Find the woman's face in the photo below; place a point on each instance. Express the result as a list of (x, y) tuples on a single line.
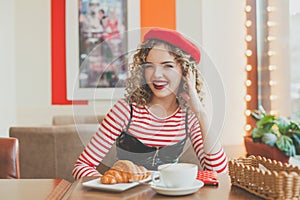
[(162, 73)]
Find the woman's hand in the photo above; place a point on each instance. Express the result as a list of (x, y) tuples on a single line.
[(192, 97), (194, 102), (211, 140)]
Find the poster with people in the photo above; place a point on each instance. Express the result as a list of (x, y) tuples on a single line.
[(102, 44)]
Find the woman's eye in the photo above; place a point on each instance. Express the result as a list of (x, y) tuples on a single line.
[(147, 66), (169, 66)]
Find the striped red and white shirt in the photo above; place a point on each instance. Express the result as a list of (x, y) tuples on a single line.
[(150, 130)]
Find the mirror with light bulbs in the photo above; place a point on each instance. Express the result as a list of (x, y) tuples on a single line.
[(273, 58)]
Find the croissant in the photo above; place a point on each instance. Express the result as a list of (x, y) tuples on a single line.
[(124, 171)]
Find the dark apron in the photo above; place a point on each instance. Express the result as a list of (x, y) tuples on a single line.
[(130, 148)]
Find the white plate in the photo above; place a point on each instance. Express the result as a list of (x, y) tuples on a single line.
[(178, 191), (119, 187)]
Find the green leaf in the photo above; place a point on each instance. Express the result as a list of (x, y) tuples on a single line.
[(268, 126), (294, 126), (296, 141), (266, 119), (296, 131), (269, 139), (285, 144), (283, 124), (257, 132), (292, 151)]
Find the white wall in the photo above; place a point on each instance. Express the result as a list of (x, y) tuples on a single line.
[(33, 74), (223, 39), (33, 61), (7, 67), (222, 35), (188, 18), (282, 75)]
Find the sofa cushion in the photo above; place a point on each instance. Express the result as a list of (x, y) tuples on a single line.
[(76, 119), (50, 152)]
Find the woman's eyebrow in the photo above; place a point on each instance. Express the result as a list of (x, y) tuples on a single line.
[(168, 62), (165, 62)]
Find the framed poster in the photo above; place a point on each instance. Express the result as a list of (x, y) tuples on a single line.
[(97, 45)]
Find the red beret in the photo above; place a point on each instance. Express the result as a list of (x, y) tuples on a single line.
[(174, 38)]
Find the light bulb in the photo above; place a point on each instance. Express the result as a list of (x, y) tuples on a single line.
[(270, 23), (247, 112), (248, 38), (248, 127), (248, 97), (270, 9), (273, 97), (248, 83), (248, 68), (248, 8), (272, 67), (248, 52), (272, 83), (271, 38), (271, 53), (274, 112), (248, 23)]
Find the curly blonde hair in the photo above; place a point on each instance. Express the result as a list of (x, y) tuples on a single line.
[(138, 90)]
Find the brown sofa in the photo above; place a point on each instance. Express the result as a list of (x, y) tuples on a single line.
[(50, 152), (76, 119)]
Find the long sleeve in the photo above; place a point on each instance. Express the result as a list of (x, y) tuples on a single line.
[(214, 162), (110, 128)]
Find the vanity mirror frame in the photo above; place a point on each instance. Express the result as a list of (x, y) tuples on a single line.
[(257, 83)]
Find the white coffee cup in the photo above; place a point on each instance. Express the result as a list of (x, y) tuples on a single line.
[(176, 175)]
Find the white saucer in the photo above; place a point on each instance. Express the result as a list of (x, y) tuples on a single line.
[(178, 191)]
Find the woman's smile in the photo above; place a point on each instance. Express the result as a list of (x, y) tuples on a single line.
[(160, 84)]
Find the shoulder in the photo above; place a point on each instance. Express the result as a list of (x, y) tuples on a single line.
[(121, 105), (139, 109), (123, 102), (119, 111)]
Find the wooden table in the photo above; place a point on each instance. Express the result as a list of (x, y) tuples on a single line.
[(144, 192), (28, 189)]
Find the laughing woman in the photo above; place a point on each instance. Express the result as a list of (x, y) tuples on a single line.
[(160, 111)]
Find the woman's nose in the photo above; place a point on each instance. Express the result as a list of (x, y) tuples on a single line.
[(158, 71)]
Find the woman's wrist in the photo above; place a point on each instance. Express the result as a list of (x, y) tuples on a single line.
[(203, 122)]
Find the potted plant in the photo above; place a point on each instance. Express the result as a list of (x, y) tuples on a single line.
[(274, 137)]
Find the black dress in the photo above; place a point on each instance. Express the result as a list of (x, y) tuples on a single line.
[(130, 148)]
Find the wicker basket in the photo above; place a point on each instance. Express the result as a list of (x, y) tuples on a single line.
[(266, 178)]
